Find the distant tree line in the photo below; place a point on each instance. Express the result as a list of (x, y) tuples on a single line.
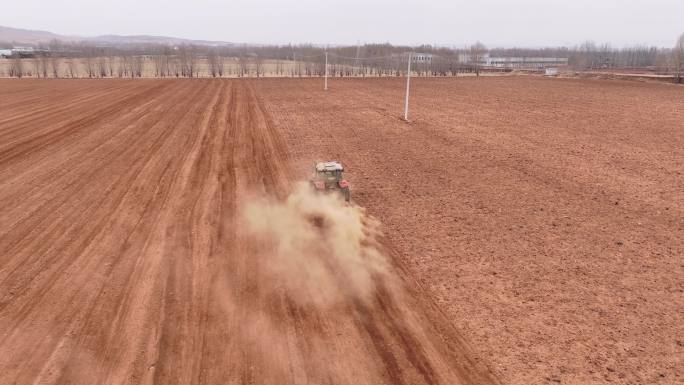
[(590, 55), (62, 59)]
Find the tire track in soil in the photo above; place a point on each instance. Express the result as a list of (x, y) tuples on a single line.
[(78, 177), (71, 252), (18, 147), (133, 266), (57, 172), (45, 112), (40, 98)]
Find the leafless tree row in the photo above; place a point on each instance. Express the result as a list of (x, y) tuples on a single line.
[(678, 59), (58, 59), (216, 64), (591, 56)]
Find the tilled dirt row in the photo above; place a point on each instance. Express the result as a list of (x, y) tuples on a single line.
[(124, 257), (545, 216)]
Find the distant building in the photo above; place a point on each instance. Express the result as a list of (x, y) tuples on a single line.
[(515, 62), (416, 57), (421, 58), (23, 50), (20, 52), (525, 62), (467, 58)]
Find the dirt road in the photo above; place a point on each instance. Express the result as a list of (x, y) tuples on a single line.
[(124, 257)]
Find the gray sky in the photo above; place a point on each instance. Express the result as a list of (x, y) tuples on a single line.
[(443, 22)]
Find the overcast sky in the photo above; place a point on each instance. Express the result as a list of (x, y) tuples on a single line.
[(495, 22)]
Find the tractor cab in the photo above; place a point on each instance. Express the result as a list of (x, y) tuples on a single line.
[(328, 172), (327, 176)]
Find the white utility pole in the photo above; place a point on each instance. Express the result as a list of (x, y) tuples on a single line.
[(326, 70), (408, 83)]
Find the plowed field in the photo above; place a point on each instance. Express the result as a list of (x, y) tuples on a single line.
[(152, 231), (124, 258)]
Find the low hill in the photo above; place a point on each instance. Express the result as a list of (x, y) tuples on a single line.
[(27, 36), (31, 37)]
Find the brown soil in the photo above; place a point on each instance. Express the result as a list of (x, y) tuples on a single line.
[(535, 227), (124, 258), (545, 216)]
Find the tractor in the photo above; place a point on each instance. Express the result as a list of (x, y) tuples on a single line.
[(327, 178)]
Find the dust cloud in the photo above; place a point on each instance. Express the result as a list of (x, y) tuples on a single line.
[(318, 249)]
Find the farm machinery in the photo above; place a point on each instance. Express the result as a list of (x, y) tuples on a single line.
[(327, 178)]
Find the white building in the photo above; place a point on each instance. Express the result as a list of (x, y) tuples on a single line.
[(421, 58), (467, 58), (515, 62), (23, 50), (551, 71), (525, 62), (5, 53)]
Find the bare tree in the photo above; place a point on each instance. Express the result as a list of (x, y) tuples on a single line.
[(110, 65), (16, 67), (139, 65), (242, 66), (188, 61), (194, 62), (134, 66), (168, 61), (586, 55), (54, 66), (213, 61), (279, 66), (158, 62), (477, 52), (90, 63), (122, 70), (678, 59), (127, 65), (258, 65), (220, 62), (36, 66), (175, 66), (45, 65), (183, 60), (102, 66), (71, 66)]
